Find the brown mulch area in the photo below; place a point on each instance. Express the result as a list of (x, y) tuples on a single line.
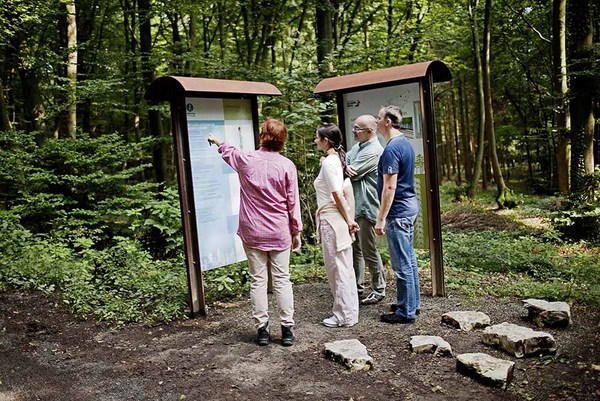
[(48, 354), (484, 220)]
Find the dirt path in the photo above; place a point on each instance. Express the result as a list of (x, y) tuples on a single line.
[(47, 354)]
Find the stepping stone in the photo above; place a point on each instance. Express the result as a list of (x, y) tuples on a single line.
[(430, 345), (350, 353), (466, 320), (549, 314), (519, 341), (485, 368)]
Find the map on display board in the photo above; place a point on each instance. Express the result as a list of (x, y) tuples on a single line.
[(407, 97), (216, 187)]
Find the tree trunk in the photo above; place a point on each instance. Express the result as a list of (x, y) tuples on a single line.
[(465, 130), (582, 79), (448, 131), (4, 119), (33, 105), (192, 42), (296, 36), (324, 37), (159, 154), (561, 109), (177, 65), (72, 69), (325, 49), (456, 136), (504, 195), (480, 103)]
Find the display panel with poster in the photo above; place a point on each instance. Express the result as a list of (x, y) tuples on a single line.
[(407, 97), (216, 188)]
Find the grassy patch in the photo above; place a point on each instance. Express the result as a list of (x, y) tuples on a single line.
[(516, 253)]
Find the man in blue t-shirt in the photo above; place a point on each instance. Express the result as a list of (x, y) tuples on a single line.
[(397, 213)]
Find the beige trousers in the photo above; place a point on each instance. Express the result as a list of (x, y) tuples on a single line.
[(340, 275), (259, 263)]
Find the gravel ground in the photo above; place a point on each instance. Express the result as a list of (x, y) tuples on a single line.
[(48, 354)]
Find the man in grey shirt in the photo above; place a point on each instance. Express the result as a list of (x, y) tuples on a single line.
[(362, 169)]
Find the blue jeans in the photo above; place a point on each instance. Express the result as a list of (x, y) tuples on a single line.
[(400, 233)]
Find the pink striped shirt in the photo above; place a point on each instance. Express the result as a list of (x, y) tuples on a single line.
[(269, 198)]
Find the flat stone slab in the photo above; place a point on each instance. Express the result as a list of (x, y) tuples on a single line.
[(466, 320), (430, 345), (485, 368), (519, 341), (549, 314), (350, 353)]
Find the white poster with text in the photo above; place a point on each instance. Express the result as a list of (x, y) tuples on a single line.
[(408, 98), (215, 185)]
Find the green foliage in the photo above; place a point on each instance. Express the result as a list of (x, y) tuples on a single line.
[(16, 152), (29, 261), (518, 260), (500, 252), (307, 265), (79, 222), (227, 282), (157, 224), (121, 283), (581, 222), (579, 216)]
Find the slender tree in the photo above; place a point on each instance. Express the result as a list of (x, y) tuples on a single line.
[(477, 168), (465, 129), (72, 68), (582, 80), (561, 109), (160, 160), (324, 28), (504, 195), (4, 119)]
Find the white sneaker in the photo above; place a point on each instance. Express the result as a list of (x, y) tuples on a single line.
[(333, 322)]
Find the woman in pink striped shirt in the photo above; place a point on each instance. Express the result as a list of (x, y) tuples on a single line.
[(270, 224)]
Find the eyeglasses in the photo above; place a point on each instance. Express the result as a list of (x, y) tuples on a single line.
[(355, 129)]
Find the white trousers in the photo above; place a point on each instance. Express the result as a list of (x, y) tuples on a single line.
[(341, 277), (259, 263)]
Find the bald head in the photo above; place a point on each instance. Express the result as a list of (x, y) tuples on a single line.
[(365, 128)]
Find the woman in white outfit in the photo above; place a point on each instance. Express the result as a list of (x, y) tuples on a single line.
[(336, 225)]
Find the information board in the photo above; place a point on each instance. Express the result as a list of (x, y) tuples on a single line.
[(216, 187), (407, 97)]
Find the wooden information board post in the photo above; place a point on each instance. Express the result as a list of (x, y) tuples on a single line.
[(208, 187), (411, 88)]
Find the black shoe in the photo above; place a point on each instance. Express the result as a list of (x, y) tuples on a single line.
[(393, 318), (393, 308), (287, 336), (372, 299), (263, 335)]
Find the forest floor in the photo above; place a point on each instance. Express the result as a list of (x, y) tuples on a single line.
[(48, 354)]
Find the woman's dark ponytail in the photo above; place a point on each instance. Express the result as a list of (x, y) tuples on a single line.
[(332, 133)]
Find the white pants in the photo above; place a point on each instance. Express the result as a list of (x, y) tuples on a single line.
[(341, 276), (259, 263)]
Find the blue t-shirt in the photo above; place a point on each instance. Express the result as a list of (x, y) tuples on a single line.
[(398, 157)]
